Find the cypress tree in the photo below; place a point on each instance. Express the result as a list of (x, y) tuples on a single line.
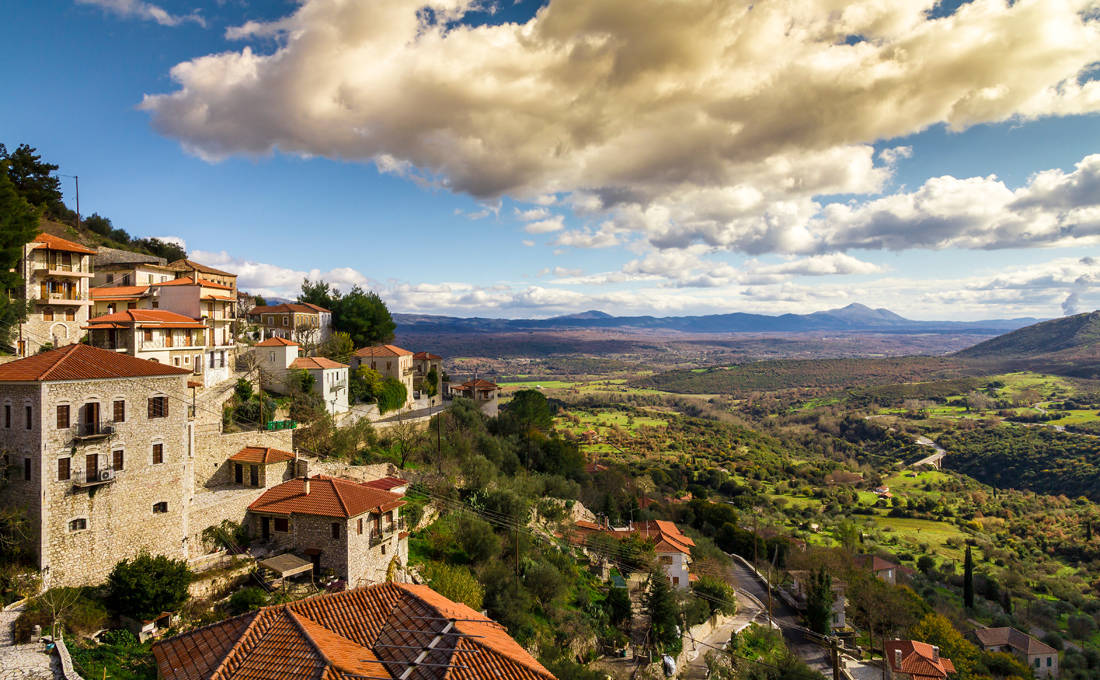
[(968, 580)]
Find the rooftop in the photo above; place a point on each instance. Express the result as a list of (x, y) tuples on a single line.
[(376, 632), (386, 483), (1000, 637), (327, 497), (478, 384), (298, 307), (144, 318), (44, 240), (314, 363), (919, 659), (186, 265), (112, 292), (276, 342), (427, 355), (83, 362), (382, 351), (188, 281), (264, 455)]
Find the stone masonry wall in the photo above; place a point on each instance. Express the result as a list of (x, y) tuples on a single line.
[(19, 444)]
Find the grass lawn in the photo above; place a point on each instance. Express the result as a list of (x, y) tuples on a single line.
[(914, 531), (607, 419), (1077, 417)]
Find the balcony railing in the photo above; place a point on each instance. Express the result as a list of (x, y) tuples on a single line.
[(86, 432), (57, 268), (388, 530), (96, 477)]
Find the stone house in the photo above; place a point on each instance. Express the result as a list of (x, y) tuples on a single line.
[(387, 630), (484, 393), (884, 570), (304, 323), (1039, 656), (97, 446), (276, 357), (348, 527), (672, 547), (390, 361), (135, 272), (189, 269), (57, 274), (799, 589), (912, 660), (423, 363), (152, 334)]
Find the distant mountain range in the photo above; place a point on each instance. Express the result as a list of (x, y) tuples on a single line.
[(853, 318), (1070, 335)]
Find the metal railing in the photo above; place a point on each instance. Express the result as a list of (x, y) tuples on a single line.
[(388, 530), (93, 430)]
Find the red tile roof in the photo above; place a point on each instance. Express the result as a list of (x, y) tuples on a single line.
[(83, 362), (874, 563), (308, 363), (264, 455), (479, 384), (665, 536), (382, 351), (288, 307), (101, 292), (52, 242), (276, 342), (327, 497), (919, 659), (189, 265), (188, 281), (427, 355), (386, 483), (377, 631), (144, 318)]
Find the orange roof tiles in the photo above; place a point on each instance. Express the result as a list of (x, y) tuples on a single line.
[(276, 342), (188, 281), (83, 362), (874, 563), (189, 265), (382, 351), (288, 307), (377, 631), (327, 497), (665, 536), (479, 384), (308, 363), (144, 318), (52, 242), (386, 483), (101, 292), (427, 356), (919, 659), (265, 455)]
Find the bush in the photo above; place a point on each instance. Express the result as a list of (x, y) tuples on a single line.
[(454, 582), (391, 396), (246, 600), (476, 538), (76, 610), (148, 585)]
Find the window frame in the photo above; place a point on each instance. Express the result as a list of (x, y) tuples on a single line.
[(64, 468), (285, 521), (160, 508), (67, 420), (116, 406), (157, 453), (76, 529)]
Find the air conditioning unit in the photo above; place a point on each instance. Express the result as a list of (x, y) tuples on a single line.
[(106, 475)]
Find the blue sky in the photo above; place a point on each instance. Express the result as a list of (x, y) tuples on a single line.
[(667, 162)]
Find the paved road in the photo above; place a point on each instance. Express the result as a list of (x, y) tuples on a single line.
[(935, 458), (787, 619), (23, 662)]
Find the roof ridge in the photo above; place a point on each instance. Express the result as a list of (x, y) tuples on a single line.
[(293, 615), (224, 667), (65, 352), (339, 497)]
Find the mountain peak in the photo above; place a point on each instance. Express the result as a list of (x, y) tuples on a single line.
[(589, 314)]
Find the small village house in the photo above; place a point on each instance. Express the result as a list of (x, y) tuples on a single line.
[(912, 660), (1039, 656), (57, 273)]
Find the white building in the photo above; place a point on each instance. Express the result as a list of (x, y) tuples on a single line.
[(277, 357)]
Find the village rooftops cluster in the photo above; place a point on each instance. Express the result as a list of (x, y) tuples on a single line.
[(326, 497)]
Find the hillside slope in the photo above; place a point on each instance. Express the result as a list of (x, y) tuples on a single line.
[(1047, 337)]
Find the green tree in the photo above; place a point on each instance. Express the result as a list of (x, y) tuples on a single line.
[(819, 602), (936, 629), (454, 582), (968, 579), (719, 596), (339, 347), (318, 293), (147, 585), (246, 600), (169, 251), (364, 316), (32, 177), (365, 384), (99, 224), (391, 395), (618, 607), (18, 225), (259, 301), (664, 613), (476, 538)]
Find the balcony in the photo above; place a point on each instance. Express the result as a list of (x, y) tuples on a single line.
[(90, 432), (82, 479), (58, 269), (61, 299), (377, 538)]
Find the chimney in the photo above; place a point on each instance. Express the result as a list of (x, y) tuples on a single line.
[(305, 486), (897, 659), (195, 275), (935, 653)]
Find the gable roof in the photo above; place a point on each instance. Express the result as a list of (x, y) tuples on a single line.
[(665, 535), (144, 318), (117, 292), (327, 497), (479, 384), (276, 342), (874, 563), (286, 307), (83, 362), (44, 240), (377, 631), (386, 483), (188, 281), (382, 351), (188, 265), (264, 455), (1019, 640), (427, 355), (315, 363), (919, 659)]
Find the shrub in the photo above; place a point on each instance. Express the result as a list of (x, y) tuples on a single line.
[(246, 600), (391, 395), (476, 538), (147, 585), (74, 609), (454, 582)]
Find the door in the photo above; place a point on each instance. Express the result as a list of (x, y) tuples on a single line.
[(316, 559), (91, 467), (265, 528), (91, 418), (254, 475)]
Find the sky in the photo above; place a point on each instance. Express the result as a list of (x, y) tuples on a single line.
[(529, 159)]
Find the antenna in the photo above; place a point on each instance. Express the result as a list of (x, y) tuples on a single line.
[(77, 179)]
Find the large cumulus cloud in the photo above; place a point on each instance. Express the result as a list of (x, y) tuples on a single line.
[(711, 121)]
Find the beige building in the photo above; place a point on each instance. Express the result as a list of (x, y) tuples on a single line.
[(353, 529), (131, 274), (278, 357), (98, 446), (484, 393), (390, 361), (304, 323), (57, 273), (423, 363), (1038, 655), (189, 269)]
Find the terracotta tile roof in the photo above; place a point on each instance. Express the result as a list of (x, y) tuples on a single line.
[(919, 659), (52, 242), (100, 292), (382, 351), (188, 281), (144, 318), (351, 634), (287, 307), (264, 455), (327, 497), (874, 563), (221, 298), (276, 342), (1019, 640), (479, 384), (427, 356), (386, 483), (83, 362), (665, 535), (308, 363), (186, 265)]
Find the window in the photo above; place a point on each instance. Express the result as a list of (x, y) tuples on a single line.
[(120, 410), (675, 580), (158, 454), (62, 416), (383, 548), (156, 304), (271, 357), (70, 314), (7, 415), (158, 407), (336, 530), (78, 524), (238, 473), (360, 526), (147, 335), (1049, 659), (64, 469), (282, 524), (29, 416), (160, 508), (176, 361), (26, 469), (47, 313), (110, 278), (1036, 662), (286, 321), (117, 460)]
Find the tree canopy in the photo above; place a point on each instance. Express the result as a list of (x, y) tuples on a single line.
[(148, 585), (18, 225), (361, 314), (33, 177)]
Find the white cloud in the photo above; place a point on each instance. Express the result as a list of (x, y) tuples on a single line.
[(715, 121), (545, 226), (528, 242), (145, 10), (173, 239), (532, 214), (274, 280), (821, 265), (606, 236), (561, 272)]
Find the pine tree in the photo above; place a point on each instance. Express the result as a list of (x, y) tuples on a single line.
[(664, 614), (819, 602), (968, 580)]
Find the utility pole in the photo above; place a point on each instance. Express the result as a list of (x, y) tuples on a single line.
[(77, 179), (833, 644)]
